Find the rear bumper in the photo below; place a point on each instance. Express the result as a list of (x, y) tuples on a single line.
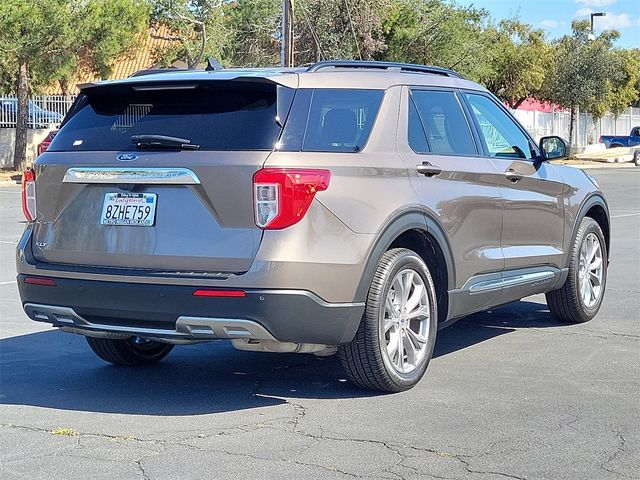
[(173, 312)]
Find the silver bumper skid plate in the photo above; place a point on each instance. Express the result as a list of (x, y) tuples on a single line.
[(187, 328)]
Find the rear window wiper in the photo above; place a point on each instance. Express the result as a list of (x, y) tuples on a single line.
[(162, 141)]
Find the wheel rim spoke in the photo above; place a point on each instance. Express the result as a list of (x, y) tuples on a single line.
[(410, 348), (419, 312), (392, 346), (388, 324), (417, 338), (400, 350), (414, 299), (398, 289), (407, 283)]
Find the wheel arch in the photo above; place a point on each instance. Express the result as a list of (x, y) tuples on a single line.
[(420, 232), (595, 206)]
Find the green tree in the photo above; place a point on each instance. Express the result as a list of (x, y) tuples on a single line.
[(47, 40), (110, 29), (516, 61), (583, 72), (623, 90), (196, 29), (435, 33), (339, 29), (32, 33), (254, 33)]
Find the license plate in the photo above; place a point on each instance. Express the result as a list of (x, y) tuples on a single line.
[(133, 209)]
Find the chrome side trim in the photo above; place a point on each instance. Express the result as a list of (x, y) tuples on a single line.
[(152, 176), (187, 328), (511, 281)]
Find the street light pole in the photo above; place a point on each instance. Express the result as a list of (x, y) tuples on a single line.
[(596, 14)]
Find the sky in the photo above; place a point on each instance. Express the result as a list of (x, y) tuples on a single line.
[(555, 16)]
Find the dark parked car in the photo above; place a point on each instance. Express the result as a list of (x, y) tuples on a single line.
[(37, 117), (350, 207), (612, 141)]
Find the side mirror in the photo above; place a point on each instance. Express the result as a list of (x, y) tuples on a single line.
[(554, 147)]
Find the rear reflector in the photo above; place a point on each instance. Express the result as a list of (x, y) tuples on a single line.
[(219, 293), (47, 282), (29, 194)]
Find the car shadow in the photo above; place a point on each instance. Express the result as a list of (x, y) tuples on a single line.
[(56, 370)]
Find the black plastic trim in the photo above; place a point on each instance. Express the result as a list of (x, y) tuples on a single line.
[(403, 222), (592, 200), (290, 316)]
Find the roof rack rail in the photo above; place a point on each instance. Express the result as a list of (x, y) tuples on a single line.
[(376, 65)]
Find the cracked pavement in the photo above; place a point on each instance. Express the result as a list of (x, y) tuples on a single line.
[(510, 393)]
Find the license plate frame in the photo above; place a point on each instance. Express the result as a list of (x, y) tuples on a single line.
[(129, 209)]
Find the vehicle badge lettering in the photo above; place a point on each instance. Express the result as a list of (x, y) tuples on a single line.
[(127, 157)]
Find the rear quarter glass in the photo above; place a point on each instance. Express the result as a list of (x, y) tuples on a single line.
[(330, 120), (216, 115)]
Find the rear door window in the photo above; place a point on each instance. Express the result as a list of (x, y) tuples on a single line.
[(445, 125), (218, 115), (331, 120)]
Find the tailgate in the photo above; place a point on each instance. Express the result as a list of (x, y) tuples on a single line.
[(202, 222), (102, 203)]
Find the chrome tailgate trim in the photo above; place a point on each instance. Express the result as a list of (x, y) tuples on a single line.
[(124, 175)]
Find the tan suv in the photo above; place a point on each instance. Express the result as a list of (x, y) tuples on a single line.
[(354, 207)]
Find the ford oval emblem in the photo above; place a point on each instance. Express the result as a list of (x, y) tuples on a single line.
[(127, 157)]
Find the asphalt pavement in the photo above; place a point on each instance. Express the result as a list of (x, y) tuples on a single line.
[(510, 393)]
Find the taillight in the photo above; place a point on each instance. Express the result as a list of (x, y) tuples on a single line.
[(282, 196), (600, 140), (29, 194)]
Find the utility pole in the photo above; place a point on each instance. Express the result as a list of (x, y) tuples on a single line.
[(286, 47)]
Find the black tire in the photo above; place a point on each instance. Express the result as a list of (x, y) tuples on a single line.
[(636, 157), (131, 352), (566, 303), (616, 145), (363, 359)]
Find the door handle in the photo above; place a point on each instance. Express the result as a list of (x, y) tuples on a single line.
[(513, 175), (428, 170)]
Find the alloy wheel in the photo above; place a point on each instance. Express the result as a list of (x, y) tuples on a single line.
[(405, 322), (590, 270)]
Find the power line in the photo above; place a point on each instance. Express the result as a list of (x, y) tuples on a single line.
[(315, 37)]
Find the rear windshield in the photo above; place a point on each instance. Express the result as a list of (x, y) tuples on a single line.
[(330, 120), (219, 115)]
